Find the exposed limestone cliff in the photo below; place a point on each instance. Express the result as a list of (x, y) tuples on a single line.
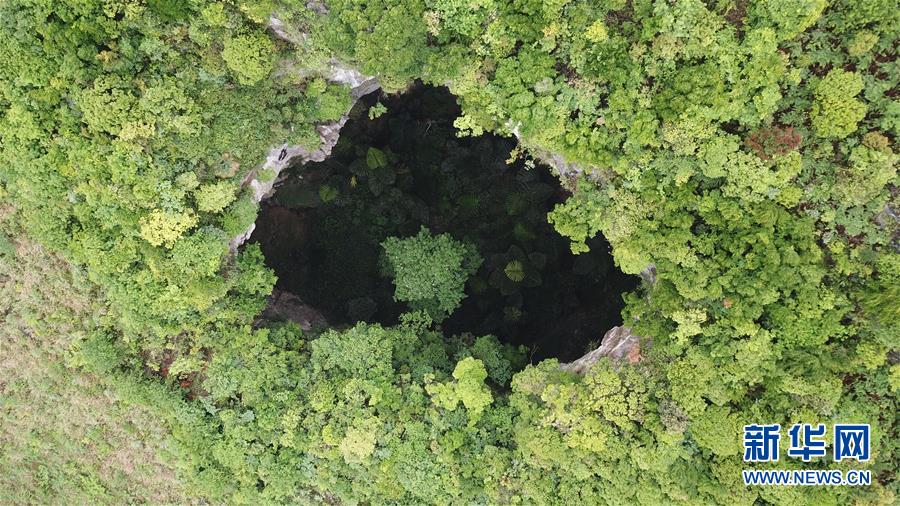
[(618, 344), (281, 157), (287, 306)]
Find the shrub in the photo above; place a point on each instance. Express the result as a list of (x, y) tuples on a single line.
[(836, 112), (163, 228), (789, 17), (250, 57), (99, 354), (774, 141), (215, 197)]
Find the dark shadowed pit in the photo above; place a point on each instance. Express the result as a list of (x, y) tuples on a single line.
[(390, 175)]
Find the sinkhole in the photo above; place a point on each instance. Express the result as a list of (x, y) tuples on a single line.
[(392, 174)]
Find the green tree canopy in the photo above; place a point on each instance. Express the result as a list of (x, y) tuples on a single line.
[(430, 271)]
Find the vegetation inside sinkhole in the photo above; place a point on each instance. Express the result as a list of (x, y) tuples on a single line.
[(392, 175)]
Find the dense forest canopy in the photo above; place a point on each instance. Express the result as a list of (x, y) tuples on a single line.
[(742, 151)]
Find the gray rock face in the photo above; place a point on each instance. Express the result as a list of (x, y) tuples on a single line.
[(618, 344), (283, 31), (565, 170), (287, 306), (649, 274)]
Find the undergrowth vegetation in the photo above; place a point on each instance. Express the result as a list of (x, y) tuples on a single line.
[(745, 150), (64, 436)]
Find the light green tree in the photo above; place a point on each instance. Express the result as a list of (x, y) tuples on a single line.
[(429, 271), (164, 227), (836, 111), (215, 197), (250, 57), (469, 389)]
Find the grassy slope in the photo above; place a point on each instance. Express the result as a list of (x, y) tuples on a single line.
[(63, 437)]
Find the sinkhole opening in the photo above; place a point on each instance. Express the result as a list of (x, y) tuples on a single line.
[(391, 174)]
